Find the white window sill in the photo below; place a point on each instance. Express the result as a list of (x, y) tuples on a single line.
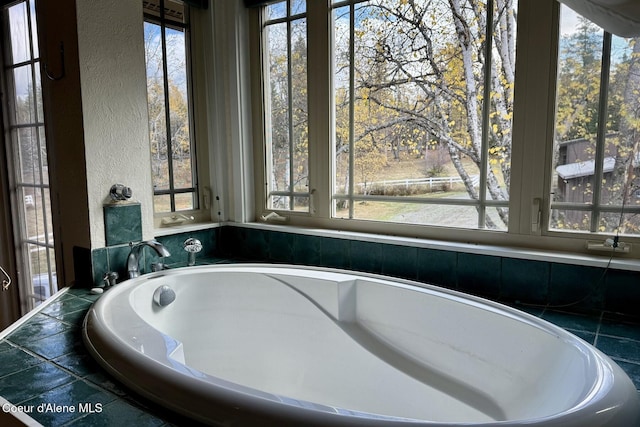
[(185, 228)]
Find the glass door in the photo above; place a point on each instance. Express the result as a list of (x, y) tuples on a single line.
[(26, 156)]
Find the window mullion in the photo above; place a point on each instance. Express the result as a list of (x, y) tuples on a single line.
[(352, 97), (602, 130), (167, 104), (320, 103), (486, 111), (290, 110)]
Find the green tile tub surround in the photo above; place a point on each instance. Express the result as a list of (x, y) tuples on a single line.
[(280, 246), (306, 250), (230, 245), (82, 265), (122, 223), (438, 267), (99, 266), (525, 280), (400, 261), (335, 253), (479, 274), (583, 287), (622, 291), (114, 258), (505, 278), (365, 256), (174, 243)]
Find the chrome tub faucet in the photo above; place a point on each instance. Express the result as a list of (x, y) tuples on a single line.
[(133, 260)]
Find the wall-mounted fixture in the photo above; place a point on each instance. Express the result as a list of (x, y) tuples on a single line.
[(176, 219), (192, 246), (7, 281), (273, 216), (119, 192), (62, 73)]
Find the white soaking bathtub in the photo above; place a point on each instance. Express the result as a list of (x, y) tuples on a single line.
[(258, 344)]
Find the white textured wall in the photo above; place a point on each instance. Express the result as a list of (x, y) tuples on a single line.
[(114, 104)]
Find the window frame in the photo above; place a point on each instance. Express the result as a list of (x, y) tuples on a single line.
[(290, 194), (37, 277), (597, 207), (483, 203), (533, 127), (200, 43)]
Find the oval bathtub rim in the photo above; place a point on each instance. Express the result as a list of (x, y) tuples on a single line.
[(597, 392)]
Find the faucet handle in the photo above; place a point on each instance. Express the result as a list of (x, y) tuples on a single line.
[(158, 266), (110, 278), (192, 245)]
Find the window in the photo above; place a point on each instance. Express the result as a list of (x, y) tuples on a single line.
[(166, 31), (287, 135), (27, 153), (423, 111), (597, 131), (417, 124)]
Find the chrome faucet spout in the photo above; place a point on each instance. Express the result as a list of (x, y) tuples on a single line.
[(133, 260)]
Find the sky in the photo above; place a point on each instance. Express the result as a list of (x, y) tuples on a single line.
[(569, 22)]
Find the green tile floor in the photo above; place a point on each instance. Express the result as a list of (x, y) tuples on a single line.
[(44, 362)]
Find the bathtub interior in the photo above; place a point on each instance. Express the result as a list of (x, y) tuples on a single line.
[(312, 335)]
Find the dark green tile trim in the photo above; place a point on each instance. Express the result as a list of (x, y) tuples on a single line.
[(280, 246), (307, 250), (525, 281), (366, 256), (622, 293), (334, 253), (99, 265), (400, 261), (479, 274), (504, 278), (581, 286), (438, 267)]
